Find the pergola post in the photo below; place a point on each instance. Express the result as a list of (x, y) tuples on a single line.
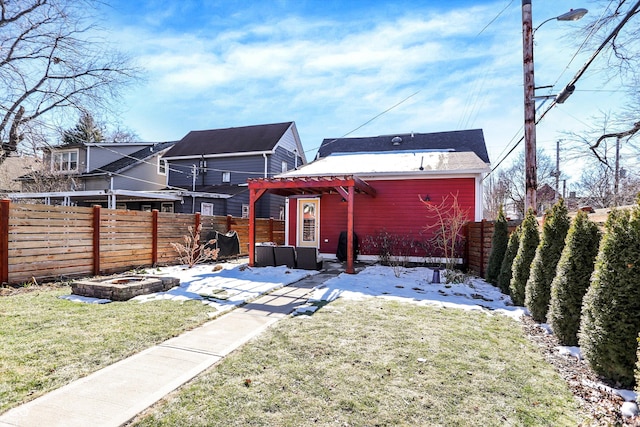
[(254, 195), (350, 203)]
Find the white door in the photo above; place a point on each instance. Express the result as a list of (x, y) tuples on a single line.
[(308, 233)]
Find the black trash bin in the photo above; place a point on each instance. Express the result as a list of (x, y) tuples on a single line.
[(341, 253)]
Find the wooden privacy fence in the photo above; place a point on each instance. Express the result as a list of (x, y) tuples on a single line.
[(49, 242), (478, 244)]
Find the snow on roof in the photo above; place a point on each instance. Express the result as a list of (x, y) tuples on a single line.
[(393, 163)]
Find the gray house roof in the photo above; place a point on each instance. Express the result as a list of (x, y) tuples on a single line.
[(246, 139), (454, 141), (132, 159)]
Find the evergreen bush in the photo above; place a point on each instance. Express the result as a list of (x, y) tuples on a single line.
[(638, 372), (573, 276), (529, 240), (499, 243), (611, 307), (543, 267), (505, 269)]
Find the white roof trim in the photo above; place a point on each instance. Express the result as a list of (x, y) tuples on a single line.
[(212, 156), (414, 164), (96, 193)]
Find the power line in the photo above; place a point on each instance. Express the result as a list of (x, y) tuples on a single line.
[(570, 87), (370, 120)]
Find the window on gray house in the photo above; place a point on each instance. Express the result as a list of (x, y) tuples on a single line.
[(226, 176), (65, 161)]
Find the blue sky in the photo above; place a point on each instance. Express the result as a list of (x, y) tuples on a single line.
[(332, 66)]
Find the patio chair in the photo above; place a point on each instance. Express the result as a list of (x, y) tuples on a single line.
[(307, 258), (285, 255), (265, 256)]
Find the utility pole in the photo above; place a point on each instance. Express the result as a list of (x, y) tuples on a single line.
[(530, 170), (617, 172)]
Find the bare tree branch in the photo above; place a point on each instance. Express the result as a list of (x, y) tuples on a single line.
[(52, 61)]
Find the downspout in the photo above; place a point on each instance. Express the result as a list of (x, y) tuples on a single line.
[(88, 159), (266, 164)]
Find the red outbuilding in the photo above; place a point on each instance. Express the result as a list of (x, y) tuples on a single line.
[(374, 189)]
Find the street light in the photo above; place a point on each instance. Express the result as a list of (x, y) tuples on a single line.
[(531, 179)]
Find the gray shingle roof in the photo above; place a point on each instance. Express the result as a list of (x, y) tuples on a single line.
[(457, 141), (230, 140), (132, 159)]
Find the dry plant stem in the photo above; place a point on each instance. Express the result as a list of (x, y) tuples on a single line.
[(193, 252), (450, 218)]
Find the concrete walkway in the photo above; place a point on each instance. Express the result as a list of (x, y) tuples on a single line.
[(114, 395)]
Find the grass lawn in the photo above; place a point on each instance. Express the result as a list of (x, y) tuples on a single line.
[(46, 342), (377, 363)]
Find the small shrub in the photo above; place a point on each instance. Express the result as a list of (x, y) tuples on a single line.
[(529, 239), (545, 261), (507, 262), (610, 312), (192, 252), (499, 243), (456, 277), (393, 250), (572, 279)]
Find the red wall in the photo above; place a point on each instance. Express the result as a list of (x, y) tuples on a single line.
[(396, 209)]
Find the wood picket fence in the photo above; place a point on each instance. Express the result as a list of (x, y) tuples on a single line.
[(44, 242)]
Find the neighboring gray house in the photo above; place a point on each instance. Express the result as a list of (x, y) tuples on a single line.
[(114, 175), (214, 166)]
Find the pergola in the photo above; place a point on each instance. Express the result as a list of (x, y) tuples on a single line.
[(346, 186)]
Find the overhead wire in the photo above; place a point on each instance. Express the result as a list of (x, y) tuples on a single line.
[(579, 74)]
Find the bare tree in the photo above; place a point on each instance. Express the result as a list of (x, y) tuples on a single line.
[(622, 54), (51, 60), (512, 179), (496, 194), (596, 186)]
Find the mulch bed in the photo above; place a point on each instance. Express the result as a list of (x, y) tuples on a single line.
[(600, 406)]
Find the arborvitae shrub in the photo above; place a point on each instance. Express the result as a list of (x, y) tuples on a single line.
[(505, 269), (638, 371), (498, 247), (543, 267), (529, 239), (611, 308), (573, 276)]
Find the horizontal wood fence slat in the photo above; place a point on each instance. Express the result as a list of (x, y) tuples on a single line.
[(479, 241), (43, 242)]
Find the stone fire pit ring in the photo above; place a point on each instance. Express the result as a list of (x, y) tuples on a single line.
[(123, 288)]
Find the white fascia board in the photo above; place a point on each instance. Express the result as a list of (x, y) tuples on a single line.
[(207, 195), (223, 155), (422, 175), (148, 194), (56, 194), (96, 193)]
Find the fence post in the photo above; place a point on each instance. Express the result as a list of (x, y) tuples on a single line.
[(482, 223), (5, 205), (229, 223), (197, 222), (96, 239), (466, 262), (154, 237)]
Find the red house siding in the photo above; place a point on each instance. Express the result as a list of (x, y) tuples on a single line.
[(395, 209)]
